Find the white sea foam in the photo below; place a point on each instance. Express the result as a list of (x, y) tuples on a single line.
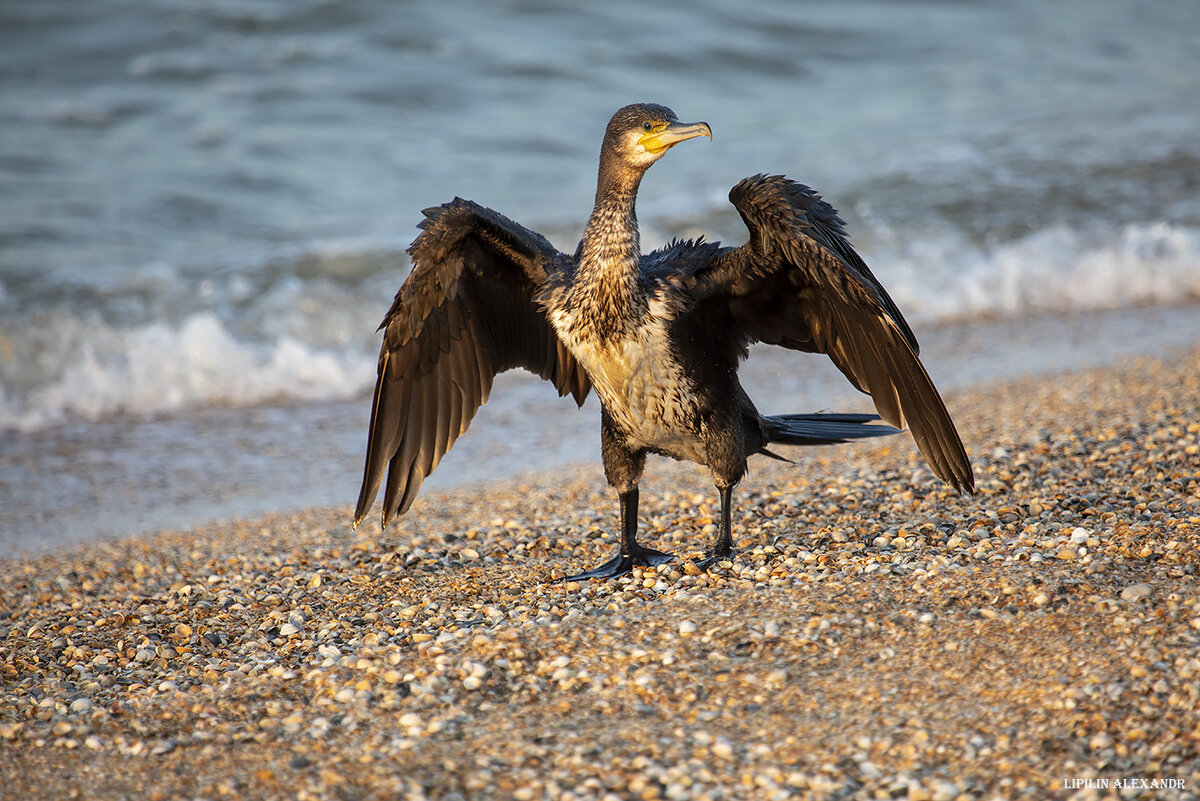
[(1057, 268), (97, 371)]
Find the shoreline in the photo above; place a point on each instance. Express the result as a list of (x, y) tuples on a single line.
[(86, 481), (874, 634)]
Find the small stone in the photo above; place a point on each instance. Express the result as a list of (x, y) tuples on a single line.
[(144, 655), (472, 682), (677, 792), (288, 629), (944, 791), (80, 705), (687, 627), (1136, 592), (163, 747), (721, 749)]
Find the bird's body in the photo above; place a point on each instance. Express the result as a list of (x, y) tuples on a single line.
[(658, 336), (649, 396), (627, 344)]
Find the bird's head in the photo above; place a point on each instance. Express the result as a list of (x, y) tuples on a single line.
[(640, 134)]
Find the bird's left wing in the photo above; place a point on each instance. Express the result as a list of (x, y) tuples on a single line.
[(798, 283), (465, 313)]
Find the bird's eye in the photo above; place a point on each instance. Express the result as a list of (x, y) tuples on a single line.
[(647, 126)]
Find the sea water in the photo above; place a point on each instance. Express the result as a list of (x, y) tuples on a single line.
[(204, 206)]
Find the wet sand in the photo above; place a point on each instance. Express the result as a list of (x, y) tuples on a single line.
[(875, 635)]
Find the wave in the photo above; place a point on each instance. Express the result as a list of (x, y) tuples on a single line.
[(301, 335), (948, 278), (94, 372)]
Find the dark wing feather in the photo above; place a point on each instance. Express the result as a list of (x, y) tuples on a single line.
[(466, 313), (799, 284)]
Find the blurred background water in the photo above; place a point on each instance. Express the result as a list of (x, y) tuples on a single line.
[(204, 205)]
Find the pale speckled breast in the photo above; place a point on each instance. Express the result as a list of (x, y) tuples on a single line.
[(644, 390)]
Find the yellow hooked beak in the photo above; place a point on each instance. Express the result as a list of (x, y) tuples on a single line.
[(672, 133)]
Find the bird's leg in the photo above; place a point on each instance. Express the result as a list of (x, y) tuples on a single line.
[(622, 467), (630, 554), (727, 433), (723, 547)]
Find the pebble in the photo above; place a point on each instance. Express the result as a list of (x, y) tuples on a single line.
[(163, 747), (721, 749), (944, 791), (1136, 592)]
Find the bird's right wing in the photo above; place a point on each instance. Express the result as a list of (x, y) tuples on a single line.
[(465, 314)]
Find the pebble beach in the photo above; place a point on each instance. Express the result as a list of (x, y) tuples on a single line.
[(874, 636)]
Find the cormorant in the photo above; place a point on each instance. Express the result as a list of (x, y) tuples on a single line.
[(659, 336)]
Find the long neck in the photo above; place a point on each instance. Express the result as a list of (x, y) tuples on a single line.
[(611, 235), (609, 269)]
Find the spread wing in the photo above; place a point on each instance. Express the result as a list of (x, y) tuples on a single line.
[(799, 284), (465, 314)]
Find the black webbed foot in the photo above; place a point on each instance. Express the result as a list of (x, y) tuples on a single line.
[(623, 563), (714, 556)]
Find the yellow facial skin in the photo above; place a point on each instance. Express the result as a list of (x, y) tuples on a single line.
[(665, 135)]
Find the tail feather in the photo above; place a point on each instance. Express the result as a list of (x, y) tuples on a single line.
[(823, 429)]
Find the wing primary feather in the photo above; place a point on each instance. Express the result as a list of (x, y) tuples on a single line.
[(374, 465), (446, 402), (427, 452), (397, 474), (408, 454)]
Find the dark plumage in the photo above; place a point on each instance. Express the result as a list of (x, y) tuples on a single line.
[(658, 336)]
